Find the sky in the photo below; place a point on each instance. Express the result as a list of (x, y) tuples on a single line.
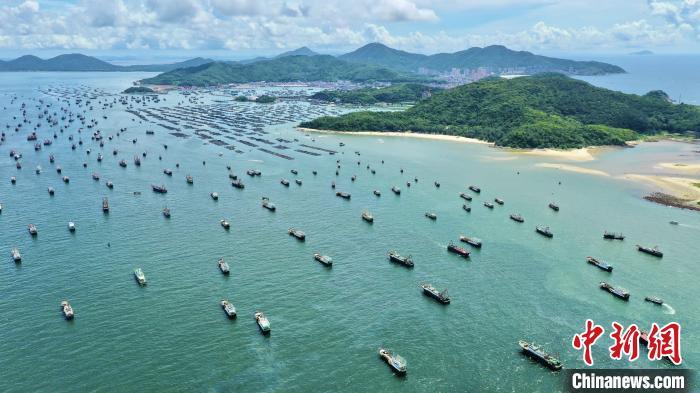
[(237, 29)]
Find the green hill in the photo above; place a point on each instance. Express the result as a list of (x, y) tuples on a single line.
[(404, 92), (546, 110), (75, 62), (494, 58), (282, 69)]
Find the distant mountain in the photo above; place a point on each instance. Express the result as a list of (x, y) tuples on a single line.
[(545, 110), (282, 69), (78, 62), (495, 58), (303, 51), (642, 52)]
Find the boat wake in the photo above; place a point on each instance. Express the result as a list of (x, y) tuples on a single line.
[(668, 309)]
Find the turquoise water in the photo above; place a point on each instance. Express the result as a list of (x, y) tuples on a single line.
[(327, 324)]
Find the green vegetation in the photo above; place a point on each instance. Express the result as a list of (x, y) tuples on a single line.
[(696, 185), (405, 92), (494, 58), (138, 90), (283, 69), (546, 110), (265, 99)]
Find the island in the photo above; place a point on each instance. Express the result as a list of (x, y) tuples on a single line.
[(548, 110), (399, 93), (282, 69), (263, 99), (138, 90)]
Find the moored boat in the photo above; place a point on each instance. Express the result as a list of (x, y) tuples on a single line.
[(297, 234), (599, 264), (228, 308), (139, 276), (189, 179), (397, 258), (67, 310), (396, 362), (66, 179), (466, 208), (214, 196), (109, 184), (225, 224), (517, 217), (284, 182), (122, 163), (263, 322), (343, 194), (268, 205), (489, 205), (16, 256), (457, 250), (166, 212), (465, 196), (71, 226), (105, 205), (32, 229), (367, 216), (544, 231), (431, 215), (396, 190), (159, 189), (324, 259), (223, 266), (377, 193), (651, 251), (441, 296), (238, 184), (617, 292), (473, 241), (475, 189), (537, 353), (51, 191), (168, 172), (613, 236), (554, 206), (499, 201)]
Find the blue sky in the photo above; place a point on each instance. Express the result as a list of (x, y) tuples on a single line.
[(234, 29)]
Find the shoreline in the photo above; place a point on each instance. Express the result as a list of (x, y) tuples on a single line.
[(572, 168), (683, 191), (405, 134)]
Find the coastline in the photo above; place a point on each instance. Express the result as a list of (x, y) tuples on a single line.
[(405, 134), (572, 168), (680, 192)]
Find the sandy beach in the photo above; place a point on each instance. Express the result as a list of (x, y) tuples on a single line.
[(680, 187), (681, 167), (583, 154), (438, 137), (572, 168)]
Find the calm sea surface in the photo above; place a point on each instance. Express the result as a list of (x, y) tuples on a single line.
[(327, 324)]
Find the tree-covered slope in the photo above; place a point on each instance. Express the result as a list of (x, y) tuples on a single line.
[(494, 58), (283, 69), (547, 110), (404, 92)]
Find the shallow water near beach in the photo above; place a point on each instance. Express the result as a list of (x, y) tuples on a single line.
[(327, 324)]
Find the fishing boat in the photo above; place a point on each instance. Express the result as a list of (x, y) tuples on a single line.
[(18, 165), (95, 176), (59, 170), (284, 182), (457, 250), (32, 230), (168, 172), (396, 190), (517, 218), (66, 179), (499, 201), (71, 226), (437, 184), (229, 309), (159, 189), (238, 184), (122, 163), (613, 236), (99, 157), (13, 180), (599, 264), (109, 184), (396, 362), (223, 266), (16, 256), (342, 194), (397, 258), (377, 193), (38, 169), (367, 216), (67, 310), (489, 205), (618, 292), (651, 251), (105, 205), (475, 189), (655, 300), (189, 179), (51, 190), (431, 215), (166, 212), (263, 322), (673, 222), (537, 353), (554, 206), (139, 276), (324, 259), (225, 224), (297, 234), (214, 196), (298, 181), (472, 241), (268, 205), (294, 172), (137, 161), (465, 196), (544, 231), (441, 296), (333, 185)]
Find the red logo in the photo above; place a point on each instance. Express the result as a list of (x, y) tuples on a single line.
[(587, 339), (665, 342)]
